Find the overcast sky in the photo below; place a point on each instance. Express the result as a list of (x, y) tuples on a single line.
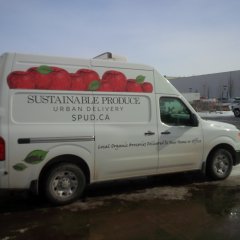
[(178, 37)]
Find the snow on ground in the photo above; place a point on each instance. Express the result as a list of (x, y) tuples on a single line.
[(216, 114)]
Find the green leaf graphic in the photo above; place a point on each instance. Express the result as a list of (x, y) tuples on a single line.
[(44, 69), (20, 166), (94, 85), (35, 157), (140, 79)]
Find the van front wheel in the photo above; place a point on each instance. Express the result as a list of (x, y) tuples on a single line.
[(236, 112), (64, 183), (220, 164)]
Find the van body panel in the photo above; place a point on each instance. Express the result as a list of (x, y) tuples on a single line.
[(163, 86), (41, 122), (128, 144), (217, 133)]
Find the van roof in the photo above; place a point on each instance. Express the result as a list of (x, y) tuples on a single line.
[(103, 60), (110, 56)]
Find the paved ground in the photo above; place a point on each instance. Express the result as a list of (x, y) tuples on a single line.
[(171, 207)]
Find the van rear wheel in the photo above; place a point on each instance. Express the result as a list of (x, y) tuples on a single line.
[(220, 164), (64, 183)]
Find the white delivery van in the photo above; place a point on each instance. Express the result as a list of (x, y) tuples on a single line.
[(66, 123)]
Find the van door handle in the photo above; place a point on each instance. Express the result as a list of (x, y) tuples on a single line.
[(166, 132), (149, 133)]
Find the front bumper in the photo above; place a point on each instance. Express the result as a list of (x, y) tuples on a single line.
[(237, 158)]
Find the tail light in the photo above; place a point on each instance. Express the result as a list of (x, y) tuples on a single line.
[(2, 149)]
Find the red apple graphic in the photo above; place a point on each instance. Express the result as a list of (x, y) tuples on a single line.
[(147, 87), (21, 79), (116, 79), (133, 86), (77, 82), (60, 79), (88, 76), (42, 76), (105, 87)]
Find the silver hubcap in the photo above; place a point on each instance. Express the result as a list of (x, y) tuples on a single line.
[(64, 184), (221, 164)]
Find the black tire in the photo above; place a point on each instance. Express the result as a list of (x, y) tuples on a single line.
[(219, 165), (236, 112), (64, 184)]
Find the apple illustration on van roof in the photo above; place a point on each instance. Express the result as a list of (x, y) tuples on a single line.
[(60, 79), (147, 87), (21, 80), (138, 85), (88, 76), (77, 82), (133, 86), (105, 87), (41, 76), (55, 78), (117, 80)]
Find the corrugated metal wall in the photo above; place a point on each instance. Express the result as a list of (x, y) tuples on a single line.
[(218, 85)]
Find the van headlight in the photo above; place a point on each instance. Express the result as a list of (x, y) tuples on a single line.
[(238, 136)]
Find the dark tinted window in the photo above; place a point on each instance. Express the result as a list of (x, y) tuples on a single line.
[(174, 112)]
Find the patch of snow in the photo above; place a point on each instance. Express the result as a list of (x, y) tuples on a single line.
[(164, 193), (161, 193), (8, 238)]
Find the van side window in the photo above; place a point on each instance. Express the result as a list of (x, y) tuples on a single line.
[(174, 112)]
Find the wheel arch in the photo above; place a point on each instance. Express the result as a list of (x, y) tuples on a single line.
[(66, 158), (224, 146)]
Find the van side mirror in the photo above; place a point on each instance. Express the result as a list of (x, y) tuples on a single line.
[(194, 120)]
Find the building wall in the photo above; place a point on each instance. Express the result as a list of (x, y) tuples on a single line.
[(223, 85), (191, 97)]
